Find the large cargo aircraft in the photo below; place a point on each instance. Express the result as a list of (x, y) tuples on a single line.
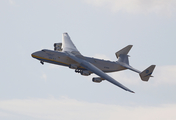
[(66, 54)]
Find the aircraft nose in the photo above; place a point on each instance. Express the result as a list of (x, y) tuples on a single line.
[(37, 54), (34, 54)]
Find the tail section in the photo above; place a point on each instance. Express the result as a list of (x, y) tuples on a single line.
[(124, 51), (123, 61), (122, 54), (147, 73)]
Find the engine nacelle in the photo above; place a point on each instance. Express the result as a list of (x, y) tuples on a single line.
[(85, 72), (58, 46), (73, 66), (97, 79)]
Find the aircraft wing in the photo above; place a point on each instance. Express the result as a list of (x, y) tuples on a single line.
[(96, 70), (67, 44)]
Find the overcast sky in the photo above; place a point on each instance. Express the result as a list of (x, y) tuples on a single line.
[(99, 28)]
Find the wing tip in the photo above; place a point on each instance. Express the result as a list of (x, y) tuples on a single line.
[(131, 91)]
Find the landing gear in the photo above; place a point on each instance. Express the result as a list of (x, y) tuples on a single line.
[(83, 72), (42, 62), (78, 71)]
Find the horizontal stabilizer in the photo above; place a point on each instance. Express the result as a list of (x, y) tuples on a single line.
[(147, 73), (124, 51)]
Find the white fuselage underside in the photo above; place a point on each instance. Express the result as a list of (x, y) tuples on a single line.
[(60, 58)]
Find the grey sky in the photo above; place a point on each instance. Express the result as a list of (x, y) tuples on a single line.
[(98, 28)]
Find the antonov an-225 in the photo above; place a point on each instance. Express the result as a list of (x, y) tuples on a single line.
[(66, 54)]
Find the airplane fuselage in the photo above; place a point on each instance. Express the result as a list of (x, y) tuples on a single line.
[(66, 54), (60, 58)]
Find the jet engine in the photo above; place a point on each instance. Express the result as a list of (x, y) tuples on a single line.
[(97, 79), (73, 66), (85, 72), (58, 46)]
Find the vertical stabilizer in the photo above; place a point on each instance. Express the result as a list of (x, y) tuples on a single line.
[(147, 73)]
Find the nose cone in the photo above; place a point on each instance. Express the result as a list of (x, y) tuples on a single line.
[(35, 54)]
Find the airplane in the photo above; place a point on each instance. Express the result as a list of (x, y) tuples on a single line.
[(66, 54)]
